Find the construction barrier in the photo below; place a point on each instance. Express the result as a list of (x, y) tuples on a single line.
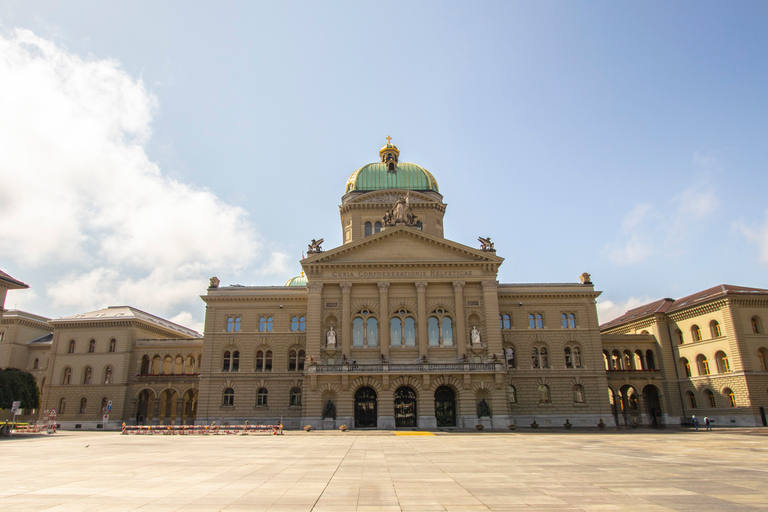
[(47, 425), (183, 430)]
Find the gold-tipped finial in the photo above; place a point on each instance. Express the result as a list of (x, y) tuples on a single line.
[(389, 139)]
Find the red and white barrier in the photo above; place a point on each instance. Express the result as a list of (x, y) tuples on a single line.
[(182, 430)]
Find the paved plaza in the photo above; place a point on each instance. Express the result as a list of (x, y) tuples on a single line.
[(387, 471)]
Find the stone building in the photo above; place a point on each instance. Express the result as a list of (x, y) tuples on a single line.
[(704, 355), (401, 327)]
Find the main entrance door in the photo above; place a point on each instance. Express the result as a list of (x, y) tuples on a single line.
[(365, 408), (405, 407), (445, 407)]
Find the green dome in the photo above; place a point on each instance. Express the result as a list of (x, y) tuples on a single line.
[(407, 176), (297, 281)]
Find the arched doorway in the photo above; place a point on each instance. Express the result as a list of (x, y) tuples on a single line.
[(365, 408), (629, 406), (653, 403), (145, 407), (445, 407), (614, 405), (405, 407), (168, 404)]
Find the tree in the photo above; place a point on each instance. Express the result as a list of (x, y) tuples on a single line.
[(17, 385)]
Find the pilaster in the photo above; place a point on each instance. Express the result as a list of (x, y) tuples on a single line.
[(384, 318), (459, 340), (421, 296), (346, 321)]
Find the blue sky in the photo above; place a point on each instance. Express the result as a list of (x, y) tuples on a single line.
[(627, 140)]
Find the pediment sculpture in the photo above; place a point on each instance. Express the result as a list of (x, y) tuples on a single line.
[(314, 246), (401, 213)]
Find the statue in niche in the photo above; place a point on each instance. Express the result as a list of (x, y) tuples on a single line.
[(214, 282), (475, 334), (483, 409), (330, 338), (329, 411)]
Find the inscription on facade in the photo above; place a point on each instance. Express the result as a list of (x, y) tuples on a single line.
[(403, 273), (473, 303), (331, 304)]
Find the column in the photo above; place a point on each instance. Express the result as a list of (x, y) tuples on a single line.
[(384, 318), (491, 320), (346, 321), (315, 334), (421, 295), (459, 331), (179, 411)]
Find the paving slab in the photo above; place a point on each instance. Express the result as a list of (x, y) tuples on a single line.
[(388, 471)]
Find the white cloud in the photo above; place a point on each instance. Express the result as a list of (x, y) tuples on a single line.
[(79, 191), (757, 234), (647, 230), (607, 310), (186, 319)]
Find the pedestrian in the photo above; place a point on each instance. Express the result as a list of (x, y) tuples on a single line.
[(707, 422), (695, 422)]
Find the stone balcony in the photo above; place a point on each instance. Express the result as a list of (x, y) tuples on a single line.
[(406, 368)]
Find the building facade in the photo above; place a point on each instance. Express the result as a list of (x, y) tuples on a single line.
[(709, 355), (400, 327)]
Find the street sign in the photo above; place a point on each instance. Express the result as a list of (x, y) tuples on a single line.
[(15, 407), (106, 417), (109, 404)]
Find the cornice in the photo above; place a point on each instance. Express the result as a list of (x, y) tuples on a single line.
[(698, 310)]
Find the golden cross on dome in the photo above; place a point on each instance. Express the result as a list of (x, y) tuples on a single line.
[(389, 139)]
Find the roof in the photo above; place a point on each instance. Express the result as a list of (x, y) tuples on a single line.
[(42, 340), (15, 283), (407, 176), (297, 281), (671, 305), (126, 313)]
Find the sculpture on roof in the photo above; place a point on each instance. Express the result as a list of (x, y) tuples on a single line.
[(585, 278), (486, 244), (314, 246), (401, 213), (214, 282)]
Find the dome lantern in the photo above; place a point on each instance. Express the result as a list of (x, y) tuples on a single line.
[(389, 155)]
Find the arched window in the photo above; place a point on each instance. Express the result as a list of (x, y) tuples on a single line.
[(506, 321), (762, 359), (108, 375), (650, 360), (87, 375), (259, 361), (402, 329), (539, 357), (686, 366), (296, 397), (144, 364), (296, 360), (722, 362), (639, 360), (368, 229), (535, 321), (365, 330), (691, 399), (572, 357), (67, 375), (568, 358), (112, 345), (696, 333), (731, 397), (714, 329), (227, 357), (544, 394), (230, 324), (261, 397), (679, 335), (62, 406), (71, 349), (757, 328), (568, 320), (606, 360), (295, 323), (83, 405), (92, 346), (440, 329), (265, 324), (36, 364), (578, 394), (302, 324), (229, 397), (268, 361), (235, 361), (377, 227), (616, 360), (510, 356), (710, 398), (627, 360), (701, 360)]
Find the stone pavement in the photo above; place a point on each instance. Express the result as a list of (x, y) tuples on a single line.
[(381, 471)]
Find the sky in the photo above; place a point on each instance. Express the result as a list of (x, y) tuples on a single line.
[(145, 146)]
